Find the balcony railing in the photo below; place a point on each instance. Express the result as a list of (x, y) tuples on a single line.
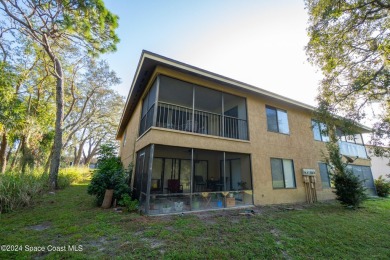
[(352, 149), (186, 119)]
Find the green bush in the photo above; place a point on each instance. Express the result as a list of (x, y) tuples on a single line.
[(18, 190), (128, 203), (71, 175), (108, 175), (349, 189), (382, 187)]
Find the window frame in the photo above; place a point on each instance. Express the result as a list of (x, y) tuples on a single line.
[(124, 137), (330, 184), (320, 127), (283, 171), (277, 119)]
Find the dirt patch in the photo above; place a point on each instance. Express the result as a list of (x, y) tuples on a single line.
[(153, 242), (40, 227), (276, 234)]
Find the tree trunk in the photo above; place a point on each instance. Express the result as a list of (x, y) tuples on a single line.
[(15, 155), (55, 161), (47, 165), (9, 152), (3, 155), (24, 159), (79, 153)]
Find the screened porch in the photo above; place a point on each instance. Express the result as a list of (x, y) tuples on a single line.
[(177, 179)]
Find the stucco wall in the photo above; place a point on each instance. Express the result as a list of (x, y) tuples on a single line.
[(299, 145), (127, 150), (379, 165)]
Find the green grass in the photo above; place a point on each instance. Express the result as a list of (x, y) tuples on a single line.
[(322, 231)]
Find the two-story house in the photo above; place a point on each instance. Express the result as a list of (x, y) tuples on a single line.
[(202, 141)]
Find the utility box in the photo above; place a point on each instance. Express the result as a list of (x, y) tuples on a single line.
[(308, 172)]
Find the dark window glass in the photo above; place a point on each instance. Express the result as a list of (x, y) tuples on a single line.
[(277, 120), (272, 121), (364, 174), (325, 180), (282, 173), (320, 131)]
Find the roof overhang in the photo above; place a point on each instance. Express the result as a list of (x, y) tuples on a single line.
[(149, 61)]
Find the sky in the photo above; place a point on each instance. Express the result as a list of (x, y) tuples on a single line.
[(257, 42)]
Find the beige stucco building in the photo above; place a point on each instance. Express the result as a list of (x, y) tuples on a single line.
[(200, 141)]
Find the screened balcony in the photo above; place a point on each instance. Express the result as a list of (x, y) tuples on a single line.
[(177, 179), (182, 106), (351, 145)]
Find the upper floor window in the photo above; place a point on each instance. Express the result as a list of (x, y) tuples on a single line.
[(282, 171), (350, 138), (320, 131), (277, 120)]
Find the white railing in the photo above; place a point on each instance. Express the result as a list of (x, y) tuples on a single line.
[(186, 119)]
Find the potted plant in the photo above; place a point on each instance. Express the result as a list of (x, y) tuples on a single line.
[(179, 206), (195, 203), (242, 185), (166, 208)]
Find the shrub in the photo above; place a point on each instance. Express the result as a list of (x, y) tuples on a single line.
[(128, 203), (71, 175), (349, 189), (18, 190), (108, 175), (382, 187)]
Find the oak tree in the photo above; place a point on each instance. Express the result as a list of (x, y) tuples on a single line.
[(54, 25), (350, 42)]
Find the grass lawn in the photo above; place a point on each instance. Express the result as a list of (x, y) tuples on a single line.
[(325, 230)]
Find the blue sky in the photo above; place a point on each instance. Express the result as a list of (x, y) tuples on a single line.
[(258, 42)]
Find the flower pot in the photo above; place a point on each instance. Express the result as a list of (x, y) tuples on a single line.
[(166, 210), (107, 199), (195, 205)]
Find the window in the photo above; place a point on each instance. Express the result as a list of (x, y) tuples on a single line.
[(282, 173), (124, 137), (350, 138), (277, 120), (364, 174), (320, 131), (148, 109), (325, 178)]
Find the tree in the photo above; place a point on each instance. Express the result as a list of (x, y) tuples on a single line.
[(92, 110), (350, 42), (54, 25), (10, 108), (349, 189)]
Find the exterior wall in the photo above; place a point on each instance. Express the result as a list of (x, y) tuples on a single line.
[(299, 145), (127, 151), (380, 165)]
